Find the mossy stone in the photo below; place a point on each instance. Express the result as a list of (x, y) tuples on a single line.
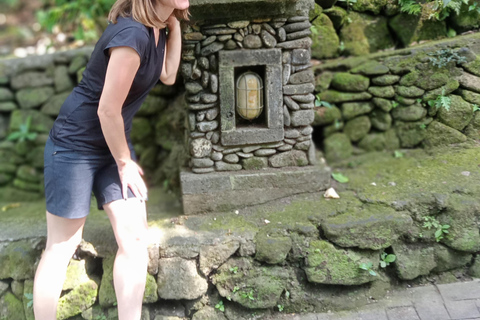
[(470, 96), (413, 260), (410, 92), (353, 109), (466, 19), (260, 285), (404, 101), (61, 79), (11, 308), (409, 79), (410, 134), (326, 116), (53, 105), (374, 6), (357, 128), (448, 259), (474, 269), (141, 130), (8, 106), (40, 122), (152, 105), (17, 260), (323, 81), (334, 96), (27, 186), (438, 134), (411, 113), (81, 298), (412, 28), (386, 80), (29, 98), (337, 15), (5, 94), (345, 81), (77, 63), (373, 142), (270, 248), (5, 178), (206, 313), (8, 168), (337, 147), (392, 142), (325, 41), (365, 34), (473, 129), (382, 92), (381, 120), (255, 163), (432, 80), (27, 293), (451, 86), (371, 68), (29, 174), (473, 66), (35, 157), (383, 104), (331, 129), (458, 116), (326, 264)]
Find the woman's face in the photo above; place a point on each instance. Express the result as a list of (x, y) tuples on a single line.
[(176, 4)]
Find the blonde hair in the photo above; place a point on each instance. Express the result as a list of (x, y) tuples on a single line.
[(142, 11)]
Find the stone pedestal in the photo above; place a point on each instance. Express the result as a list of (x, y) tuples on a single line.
[(224, 191)]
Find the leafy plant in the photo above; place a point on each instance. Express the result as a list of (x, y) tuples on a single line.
[(386, 259), (340, 177), (248, 295), (23, 132), (341, 47), (395, 104), (314, 30), (235, 289), (29, 297), (101, 317), (410, 7), (320, 103), (441, 58), (287, 294), (368, 267), (234, 269), (84, 19), (441, 101), (475, 107), (220, 306), (280, 307), (441, 229), (398, 154), (436, 9), (423, 126), (474, 7)]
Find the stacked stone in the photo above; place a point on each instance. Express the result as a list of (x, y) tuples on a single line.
[(200, 71), (35, 89), (386, 105)]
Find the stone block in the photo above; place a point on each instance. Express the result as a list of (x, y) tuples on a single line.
[(17, 260), (413, 260)]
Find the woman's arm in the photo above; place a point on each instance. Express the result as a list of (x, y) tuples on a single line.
[(122, 67), (173, 51)]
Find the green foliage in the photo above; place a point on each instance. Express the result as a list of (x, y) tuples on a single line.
[(23, 132), (368, 267), (248, 295), (29, 297), (386, 259), (314, 30), (101, 317), (440, 229), (437, 9), (474, 7), (423, 126), (441, 101), (280, 307), (220, 306), (340, 177), (398, 154), (84, 19), (234, 269), (475, 107), (287, 294), (348, 3), (320, 103), (395, 104), (442, 57)]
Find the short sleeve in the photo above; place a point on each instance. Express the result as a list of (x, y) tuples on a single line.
[(132, 37)]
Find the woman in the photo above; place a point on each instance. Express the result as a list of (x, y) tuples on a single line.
[(89, 150)]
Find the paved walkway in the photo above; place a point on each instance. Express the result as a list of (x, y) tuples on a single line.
[(456, 301)]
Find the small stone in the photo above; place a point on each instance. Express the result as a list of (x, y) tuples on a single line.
[(469, 81), (302, 118), (202, 163), (385, 80), (211, 114), (219, 31), (225, 37), (306, 76), (304, 138), (404, 101), (250, 149), (299, 34), (299, 26), (287, 71), (304, 145), (286, 116), (215, 137), (193, 87), (352, 109), (303, 43), (208, 41), (208, 97), (292, 105), (371, 68), (304, 98), (252, 42), (294, 89), (297, 19), (383, 104), (205, 79), (230, 45), (357, 128), (212, 48), (333, 96), (411, 113), (268, 28), (238, 37), (209, 135), (231, 150), (200, 148), (286, 147), (300, 56), (203, 63), (213, 83), (292, 158), (216, 156), (207, 126), (268, 40), (238, 24), (193, 36), (410, 92), (186, 70), (231, 158), (33, 97), (223, 166), (281, 35), (203, 170), (195, 135), (196, 73), (255, 163), (201, 116), (307, 131), (289, 134), (307, 105), (265, 152)]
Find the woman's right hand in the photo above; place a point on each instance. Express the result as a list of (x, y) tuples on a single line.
[(130, 177)]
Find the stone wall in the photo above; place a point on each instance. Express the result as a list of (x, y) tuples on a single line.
[(368, 26), (424, 97), (33, 89), (211, 54)]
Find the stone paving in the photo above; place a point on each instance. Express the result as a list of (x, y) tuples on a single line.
[(455, 301)]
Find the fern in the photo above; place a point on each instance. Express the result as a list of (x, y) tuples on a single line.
[(410, 7)]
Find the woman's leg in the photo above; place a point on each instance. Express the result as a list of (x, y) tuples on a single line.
[(63, 237), (129, 223)]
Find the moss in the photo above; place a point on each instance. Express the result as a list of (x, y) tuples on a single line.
[(344, 81), (353, 109), (383, 104), (365, 34), (411, 28), (404, 101), (432, 80), (325, 41), (410, 92), (17, 260), (409, 79), (473, 67), (337, 147), (411, 113), (382, 92), (371, 68), (469, 96), (255, 163), (373, 142), (374, 6), (439, 134), (381, 120), (413, 260), (11, 307), (337, 15), (323, 81), (410, 134), (386, 80), (270, 248), (325, 116), (357, 128), (78, 300), (458, 116), (333, 96), (451, 86), (448, 259)]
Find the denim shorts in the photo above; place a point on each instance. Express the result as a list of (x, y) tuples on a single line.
[(71, 176)]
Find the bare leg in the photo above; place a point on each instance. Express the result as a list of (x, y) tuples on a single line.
[(63, 237), (129, 223)]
